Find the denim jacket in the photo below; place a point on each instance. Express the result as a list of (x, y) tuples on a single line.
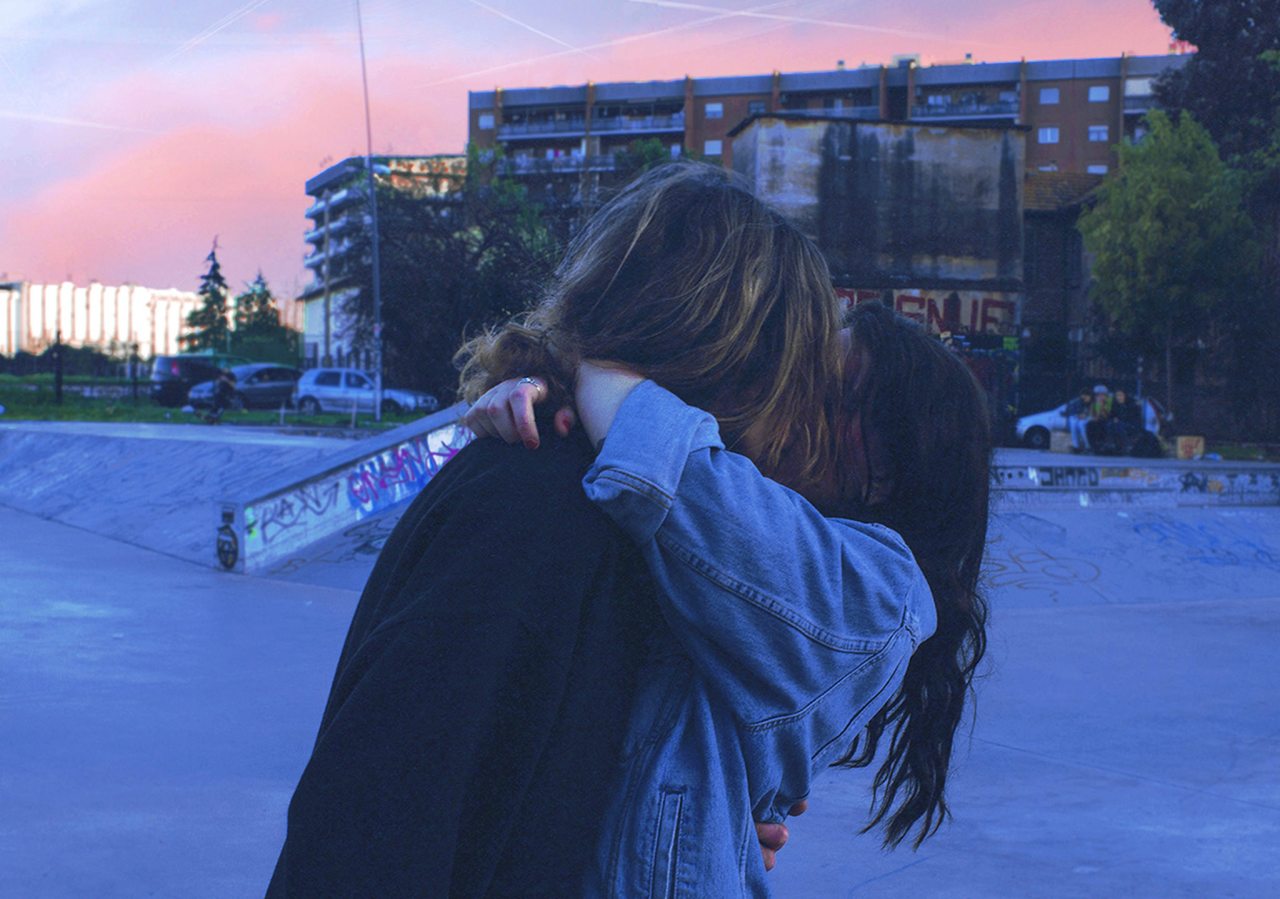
[(787, 632)]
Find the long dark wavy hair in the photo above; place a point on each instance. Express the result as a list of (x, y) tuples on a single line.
[(926, 438)]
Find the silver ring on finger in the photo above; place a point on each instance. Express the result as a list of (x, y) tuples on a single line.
[(533, 381)]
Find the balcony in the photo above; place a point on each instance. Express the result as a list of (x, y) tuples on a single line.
[(638, 124), (843, 112), (574, 126), (342, 198), (335, 227), (994, 109), (1139, 105), (316, 259), (526, 165)]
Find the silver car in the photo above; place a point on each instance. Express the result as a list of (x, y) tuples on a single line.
[(341, 389)]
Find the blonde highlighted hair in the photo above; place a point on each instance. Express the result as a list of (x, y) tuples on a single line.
[(690, 280)]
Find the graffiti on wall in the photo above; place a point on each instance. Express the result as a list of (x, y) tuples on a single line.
[(396, 474), (1174, 485), (942, 311), (315, 509)]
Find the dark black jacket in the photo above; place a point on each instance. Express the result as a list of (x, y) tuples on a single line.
[(474, 725)]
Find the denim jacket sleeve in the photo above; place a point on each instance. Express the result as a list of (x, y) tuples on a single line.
[(773, 602)]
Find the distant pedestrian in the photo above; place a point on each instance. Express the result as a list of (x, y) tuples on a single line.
[(224, 393)]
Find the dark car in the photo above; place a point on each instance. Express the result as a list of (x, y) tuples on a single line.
[(172, 377), (259, 385)]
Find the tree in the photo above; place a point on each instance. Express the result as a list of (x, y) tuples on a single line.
[(256, 308), (258, 334), (208, 322), (1170, 240), (449, 266), (1229, 85)]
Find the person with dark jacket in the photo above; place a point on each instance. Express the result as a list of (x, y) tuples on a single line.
[(1126, 420), (474, 728), (472, 734)]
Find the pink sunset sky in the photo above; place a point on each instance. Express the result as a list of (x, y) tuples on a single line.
[(134, 131)]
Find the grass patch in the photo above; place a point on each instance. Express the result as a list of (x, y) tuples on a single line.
[(32, 399)]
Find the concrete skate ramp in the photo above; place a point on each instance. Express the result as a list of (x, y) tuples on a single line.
[(1049, 556), (272, 520), (155, 486), (1046, 546)]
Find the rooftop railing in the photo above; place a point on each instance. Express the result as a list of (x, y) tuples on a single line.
[(525, 165), (965, 110), (602, 125)]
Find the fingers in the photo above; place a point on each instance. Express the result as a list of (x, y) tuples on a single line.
[(565, 419), (799, 808), (772, 837), (505, 411), (526, 393)]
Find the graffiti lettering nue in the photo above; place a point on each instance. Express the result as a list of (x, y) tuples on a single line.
[(976, 312)]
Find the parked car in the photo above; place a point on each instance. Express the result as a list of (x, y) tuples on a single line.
[(259, 385), (1034, 430), (172, 377), (338, 389)]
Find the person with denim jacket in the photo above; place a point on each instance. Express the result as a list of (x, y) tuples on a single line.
[(788, 631), (792, 636)]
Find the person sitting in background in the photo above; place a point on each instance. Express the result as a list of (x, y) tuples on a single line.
[(1125, 422), (1100, 410), (1077, 415)]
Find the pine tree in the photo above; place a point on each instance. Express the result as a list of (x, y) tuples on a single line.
[(208, 322), (256, 311)]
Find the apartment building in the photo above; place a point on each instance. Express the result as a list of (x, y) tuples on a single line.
[(1076, 110), (339, 217), (114, 319)]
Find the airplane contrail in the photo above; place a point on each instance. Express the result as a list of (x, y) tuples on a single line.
[(78, 123), (626, 39), (525, 25), (227, 20), (797, 20)]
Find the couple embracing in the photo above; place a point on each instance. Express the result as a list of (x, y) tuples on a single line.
[(740, 544)]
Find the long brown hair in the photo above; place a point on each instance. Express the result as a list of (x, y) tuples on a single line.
[(688, 279), (926, 422)]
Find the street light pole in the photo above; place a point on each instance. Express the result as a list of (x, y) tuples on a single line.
[(373, 219)]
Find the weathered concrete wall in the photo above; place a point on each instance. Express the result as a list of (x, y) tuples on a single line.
[(895, 204), (1131, 482), (267, 522)]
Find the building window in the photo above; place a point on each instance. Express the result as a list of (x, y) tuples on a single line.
[(486, 121), (675, 151), (1139, 87), (755, 107), (714, 110), (713, 148), (1096, 170), (1048, 135), (1049, 96), (1051, 167), (1099, 93), (1098, 133)]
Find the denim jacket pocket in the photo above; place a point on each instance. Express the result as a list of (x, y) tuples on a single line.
[(664, 880)]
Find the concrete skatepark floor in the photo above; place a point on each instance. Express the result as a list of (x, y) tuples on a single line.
[(157, 714)]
